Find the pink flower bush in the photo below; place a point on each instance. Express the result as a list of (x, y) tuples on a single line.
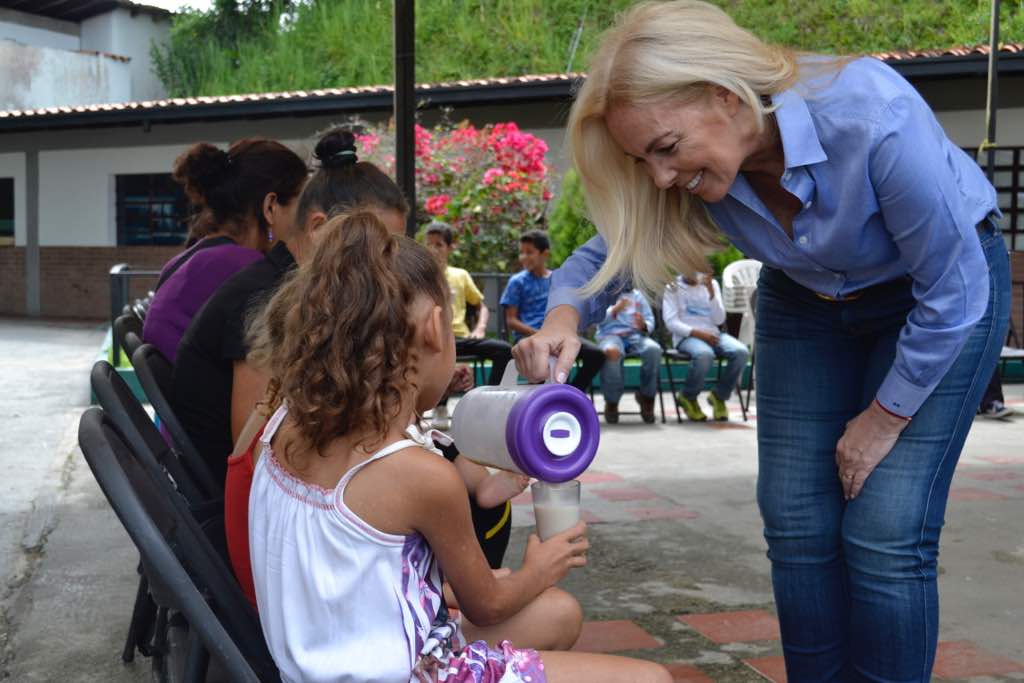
[(438, 204), (489, 183)]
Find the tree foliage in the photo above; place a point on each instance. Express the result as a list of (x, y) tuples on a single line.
[(272, 45)]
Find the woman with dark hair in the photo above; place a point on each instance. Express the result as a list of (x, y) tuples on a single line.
[(214, 390), (243, 196)]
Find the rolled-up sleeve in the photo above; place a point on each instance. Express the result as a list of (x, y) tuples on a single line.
[(936, 237), (575, 273)]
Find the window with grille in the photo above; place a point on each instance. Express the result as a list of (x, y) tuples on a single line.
[(1008, 180), (6, 212), (1009, 183), (151, 210)]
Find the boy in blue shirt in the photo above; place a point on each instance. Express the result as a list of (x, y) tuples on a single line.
[(525, 301)]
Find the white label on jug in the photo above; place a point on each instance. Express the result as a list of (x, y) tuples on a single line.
[(554, 518), (562, 434)]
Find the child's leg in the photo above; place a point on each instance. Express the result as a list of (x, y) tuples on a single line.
[(551, 622), (570, 667)]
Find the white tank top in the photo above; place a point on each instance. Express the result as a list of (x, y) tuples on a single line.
[(338, 599)]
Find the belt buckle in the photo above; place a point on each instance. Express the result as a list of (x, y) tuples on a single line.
[(839, 299)]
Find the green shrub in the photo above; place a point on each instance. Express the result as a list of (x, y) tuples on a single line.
[(568, 225)]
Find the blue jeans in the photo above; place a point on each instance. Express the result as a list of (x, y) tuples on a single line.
[(855, 582), (649, 351), (702, 356)]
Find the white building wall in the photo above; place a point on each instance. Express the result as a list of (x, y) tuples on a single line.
[(32, 77), (30, 29), (77, 187), (121, 33), (967, 127), (13, 166)]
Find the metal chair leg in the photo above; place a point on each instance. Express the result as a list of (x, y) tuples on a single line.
[(140, 627), (672, 385), (197, 660), (160, 647), (661, 397)]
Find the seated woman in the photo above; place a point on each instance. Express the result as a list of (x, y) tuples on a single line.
[(243, 196)]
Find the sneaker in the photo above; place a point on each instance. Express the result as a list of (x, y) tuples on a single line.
[(440, 420), (995, 411), (718, 407), (691, 408), (611, 413), (646, 407)]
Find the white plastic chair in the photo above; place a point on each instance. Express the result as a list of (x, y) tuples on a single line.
[(739, 279)]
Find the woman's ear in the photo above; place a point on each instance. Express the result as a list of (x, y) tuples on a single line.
[(271, 207), (727, 99), (434, 329), (314, 220)]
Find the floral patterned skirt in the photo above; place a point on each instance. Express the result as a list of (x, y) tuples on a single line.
[(478, 663)]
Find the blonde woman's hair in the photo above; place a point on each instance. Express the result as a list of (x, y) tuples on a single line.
[(658, 52)]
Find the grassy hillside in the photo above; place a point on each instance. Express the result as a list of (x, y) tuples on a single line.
[(335, 43)]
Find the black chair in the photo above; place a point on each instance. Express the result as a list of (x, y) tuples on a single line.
[(141, 306), (127, 332), (159, 459), (132, 420), (154, 374), (185, 575)]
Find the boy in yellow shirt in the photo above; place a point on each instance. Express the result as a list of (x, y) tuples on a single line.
[(440, 239)]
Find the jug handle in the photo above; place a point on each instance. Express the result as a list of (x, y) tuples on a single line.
[(510, 377)]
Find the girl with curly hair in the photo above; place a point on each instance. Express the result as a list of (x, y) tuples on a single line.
[(352, 510)]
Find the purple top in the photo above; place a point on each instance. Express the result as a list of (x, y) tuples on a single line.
[(184, 292)]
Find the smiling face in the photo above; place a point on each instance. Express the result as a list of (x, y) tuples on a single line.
[(532, 259), (698, 146)]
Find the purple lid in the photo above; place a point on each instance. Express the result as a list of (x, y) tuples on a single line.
[(572, 437)]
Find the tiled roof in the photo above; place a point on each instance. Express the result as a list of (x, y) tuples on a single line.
[(196, 105), (79, 10), (966, 51), (423, 90)]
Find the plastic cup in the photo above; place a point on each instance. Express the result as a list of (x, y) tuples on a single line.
[(555, 506)]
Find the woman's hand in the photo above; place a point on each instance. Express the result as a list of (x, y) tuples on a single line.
[(867, 440), (462, 379), (554, 557), (557, 337)]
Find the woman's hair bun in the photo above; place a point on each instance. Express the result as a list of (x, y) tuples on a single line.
[(200, 169), (336, 148)]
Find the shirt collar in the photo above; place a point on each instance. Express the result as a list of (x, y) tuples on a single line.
[(800, 142), (280, 257)]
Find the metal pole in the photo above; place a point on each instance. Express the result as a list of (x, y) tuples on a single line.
[(405, 105), (992, 105)]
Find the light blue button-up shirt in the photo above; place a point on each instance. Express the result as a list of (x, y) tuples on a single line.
[(885, 194), (622, 323)]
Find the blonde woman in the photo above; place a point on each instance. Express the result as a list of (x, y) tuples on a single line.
[(881, 309)]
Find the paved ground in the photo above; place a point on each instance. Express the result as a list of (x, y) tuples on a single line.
[(677, 570)]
